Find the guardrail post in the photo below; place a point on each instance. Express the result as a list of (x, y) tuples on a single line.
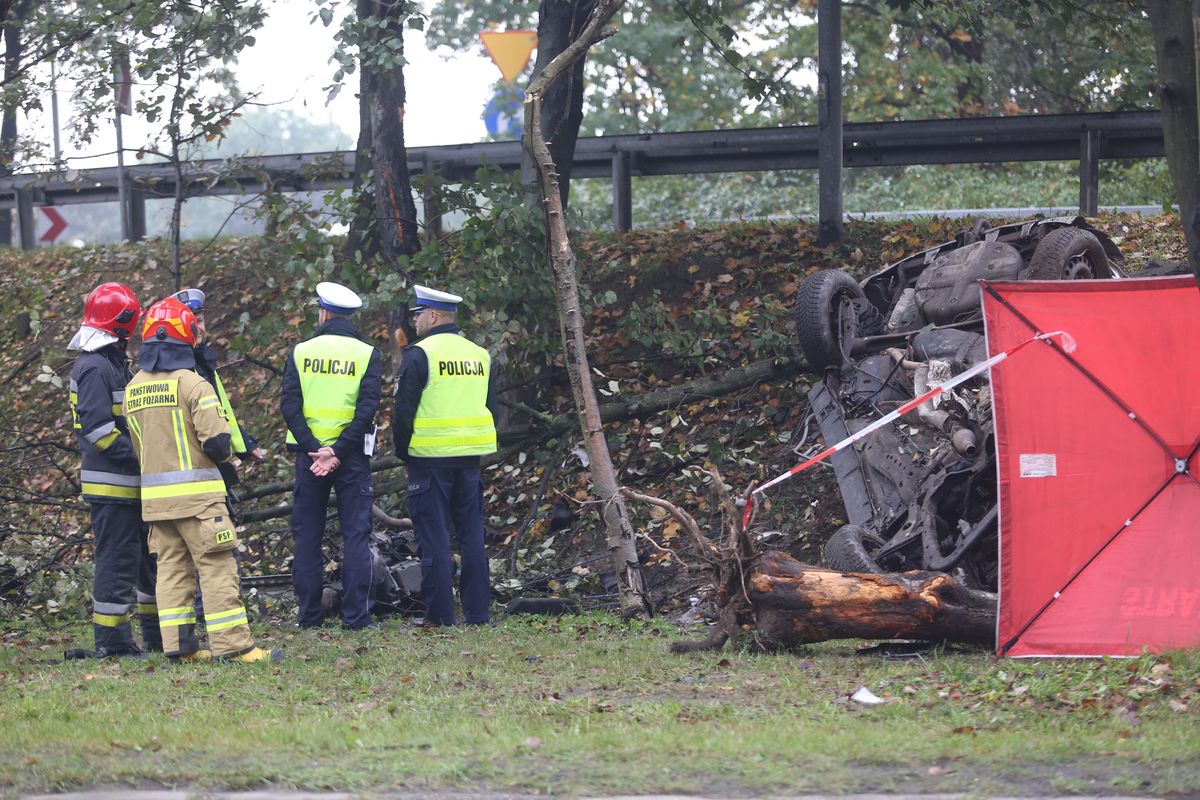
[(829, 136), (1089, 173), (25, 218), (431, 211), (622, 190), (137, 215)]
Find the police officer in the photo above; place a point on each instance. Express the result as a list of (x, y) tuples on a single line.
[(184, 447), (110, 475), (329, 398), (441, 428), (244, 445)]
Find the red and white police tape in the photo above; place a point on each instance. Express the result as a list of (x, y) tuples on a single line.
[(1066, 343)]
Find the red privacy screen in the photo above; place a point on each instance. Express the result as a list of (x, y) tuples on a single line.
[(1098, 467)]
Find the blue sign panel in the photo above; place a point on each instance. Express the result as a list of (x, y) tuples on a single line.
[(505, 113)]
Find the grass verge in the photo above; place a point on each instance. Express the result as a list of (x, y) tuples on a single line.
[(585, 705)]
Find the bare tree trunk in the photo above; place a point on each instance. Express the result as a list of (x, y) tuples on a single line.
[(1175, 48), (387, 224), (360, 240), (395, 208), (176, 133), (559, 23), (11, 16), (621, 539)]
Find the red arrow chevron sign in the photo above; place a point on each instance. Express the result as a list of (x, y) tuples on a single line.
[(57, 224)]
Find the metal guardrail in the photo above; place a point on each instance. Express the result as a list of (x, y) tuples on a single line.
[(1087, 138)]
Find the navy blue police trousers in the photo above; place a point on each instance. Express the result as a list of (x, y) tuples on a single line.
[(439, 497), (352, 481)]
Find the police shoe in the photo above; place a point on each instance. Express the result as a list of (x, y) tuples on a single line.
[(421, 623), (253, 656), (194, 657), (370, 626)]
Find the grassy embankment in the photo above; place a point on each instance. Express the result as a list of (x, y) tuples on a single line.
[(588, 705), (583, 705)]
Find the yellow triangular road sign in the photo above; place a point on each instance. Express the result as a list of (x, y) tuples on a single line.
[(510, 50)]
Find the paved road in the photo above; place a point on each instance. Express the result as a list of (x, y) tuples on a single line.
[(129, 794)]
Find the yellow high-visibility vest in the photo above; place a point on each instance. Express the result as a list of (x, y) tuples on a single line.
[(452, 418), (236, 438), (331, 370)]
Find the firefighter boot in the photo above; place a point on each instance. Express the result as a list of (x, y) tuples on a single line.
[(253, 656)]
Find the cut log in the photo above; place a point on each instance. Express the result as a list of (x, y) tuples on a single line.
[(785, 604), (795, 604)]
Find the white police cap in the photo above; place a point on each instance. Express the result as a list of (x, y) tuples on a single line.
[(432, 298), (192, 298), (337, 298)]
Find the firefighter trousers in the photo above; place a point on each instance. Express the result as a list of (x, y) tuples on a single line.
[(201, 547), (124, 574)]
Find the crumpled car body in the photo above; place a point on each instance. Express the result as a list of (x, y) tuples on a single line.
[(921, 493)]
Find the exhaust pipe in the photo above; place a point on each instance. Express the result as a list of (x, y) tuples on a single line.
[(965, 441)]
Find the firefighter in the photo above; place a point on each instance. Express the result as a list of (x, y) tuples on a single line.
[(329, 397), (244, 445), (109, 476), (442, 425), (183, 443)]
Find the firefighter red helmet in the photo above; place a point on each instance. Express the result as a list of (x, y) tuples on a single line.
[(112, 307), (170, 320)]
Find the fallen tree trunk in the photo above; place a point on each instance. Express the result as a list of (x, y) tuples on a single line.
[(636, 407), (796, 604), (782, 604)]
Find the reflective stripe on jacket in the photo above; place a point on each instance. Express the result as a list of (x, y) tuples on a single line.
[(170, 415), (331, 369), (452, 418), (96, 392)]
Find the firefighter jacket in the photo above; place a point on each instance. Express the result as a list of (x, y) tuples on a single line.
[(177, 422), (97, 391), (206, 365), (442, 400), (331, 390)]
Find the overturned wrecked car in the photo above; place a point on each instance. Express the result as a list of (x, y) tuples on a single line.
[(921, 493)]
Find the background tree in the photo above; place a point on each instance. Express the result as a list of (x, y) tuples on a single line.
[(560, 23), (1176, 31), (181, 53), (183, 57), (1176, 37), (12, 18), (621, 540), (371, 42), (697, 65)]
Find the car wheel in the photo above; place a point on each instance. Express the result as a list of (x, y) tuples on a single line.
[(1068, 254), (850, 548), (832, 311)]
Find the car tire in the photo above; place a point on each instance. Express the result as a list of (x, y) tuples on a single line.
[(850, 548), (820, 302), (1068, 254)]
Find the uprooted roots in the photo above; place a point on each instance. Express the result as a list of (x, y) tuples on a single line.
[(784, 604)]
